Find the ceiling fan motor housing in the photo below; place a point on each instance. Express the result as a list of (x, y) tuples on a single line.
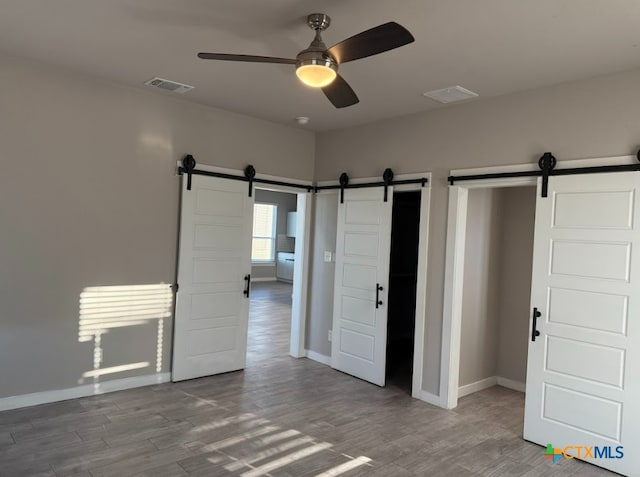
[(320, 58), (316, 55)]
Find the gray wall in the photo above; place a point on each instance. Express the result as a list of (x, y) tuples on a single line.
[(591, 118), (90, 198), (480, 317), (87, 179), (517, 219), (286, 203), (321, 275), (497, 284)]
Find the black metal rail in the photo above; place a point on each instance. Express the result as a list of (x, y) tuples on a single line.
[(422, 181), (198, 172), (189, 167), (547, 164)]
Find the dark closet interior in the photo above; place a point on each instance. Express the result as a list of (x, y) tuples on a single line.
[(403, 271)]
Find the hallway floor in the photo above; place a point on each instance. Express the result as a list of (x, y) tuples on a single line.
[(280, 417), (269, 323)]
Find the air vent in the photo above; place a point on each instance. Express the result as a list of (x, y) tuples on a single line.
[(450, 94), (168, 85)]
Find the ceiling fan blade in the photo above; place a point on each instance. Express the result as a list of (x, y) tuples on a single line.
[(340, 93), (246, 58), (371, 42)]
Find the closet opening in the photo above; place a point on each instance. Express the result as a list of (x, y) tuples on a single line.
[(498, 260), (403, 275)]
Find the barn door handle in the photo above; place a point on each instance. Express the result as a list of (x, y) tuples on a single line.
[(378, 290), (534, 331), (247, 290)]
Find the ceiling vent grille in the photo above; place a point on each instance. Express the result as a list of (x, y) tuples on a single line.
[(451, 94), (167, 85)]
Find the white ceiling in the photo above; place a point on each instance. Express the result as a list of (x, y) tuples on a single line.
[(492, 47)]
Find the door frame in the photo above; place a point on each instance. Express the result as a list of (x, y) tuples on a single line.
[(421, 284), (302, 255), (455, 258)]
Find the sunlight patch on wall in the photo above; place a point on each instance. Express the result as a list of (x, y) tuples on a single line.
[(155, 143), (105, 308), (115, 369)]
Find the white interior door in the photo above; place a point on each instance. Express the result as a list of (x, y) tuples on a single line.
[(359, 337), (583, 371), (212, 310)]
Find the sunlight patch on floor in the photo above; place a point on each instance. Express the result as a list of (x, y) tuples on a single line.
[(231, 441), (286, 460), (259, 447), (223, 422), (346, 467)]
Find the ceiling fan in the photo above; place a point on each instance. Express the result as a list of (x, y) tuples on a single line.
[(317, 66)]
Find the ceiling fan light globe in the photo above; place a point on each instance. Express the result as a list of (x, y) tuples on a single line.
[(316, 69), (316, 76)]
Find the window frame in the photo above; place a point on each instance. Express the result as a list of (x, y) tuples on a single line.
[(273, 238)]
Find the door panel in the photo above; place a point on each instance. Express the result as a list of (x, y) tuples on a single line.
[(358, 310), (588, 361), (361, 244), (215, 305), (583, 370), (362, 262), (568, 409), (358, 344), (210, 334), (612, 209), (358, 277), (588, 309), (590, 259)]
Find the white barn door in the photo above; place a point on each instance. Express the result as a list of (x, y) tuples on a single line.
[(583, 371), (359, 335), (212, 306)]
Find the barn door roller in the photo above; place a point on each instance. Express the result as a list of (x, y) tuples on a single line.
[(344, 181), (546, 163), (189, 164), (387, 177), (250, 174)]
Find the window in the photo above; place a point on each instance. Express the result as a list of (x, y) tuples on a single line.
[(263, 246)]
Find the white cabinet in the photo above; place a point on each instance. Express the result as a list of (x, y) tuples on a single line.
[(284, 266), (292, 222)]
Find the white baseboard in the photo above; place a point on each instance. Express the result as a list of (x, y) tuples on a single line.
[(45, 397), (511, 384), (428, 398), (264, 279), (477, 386), (489, 382), (320, 358)]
